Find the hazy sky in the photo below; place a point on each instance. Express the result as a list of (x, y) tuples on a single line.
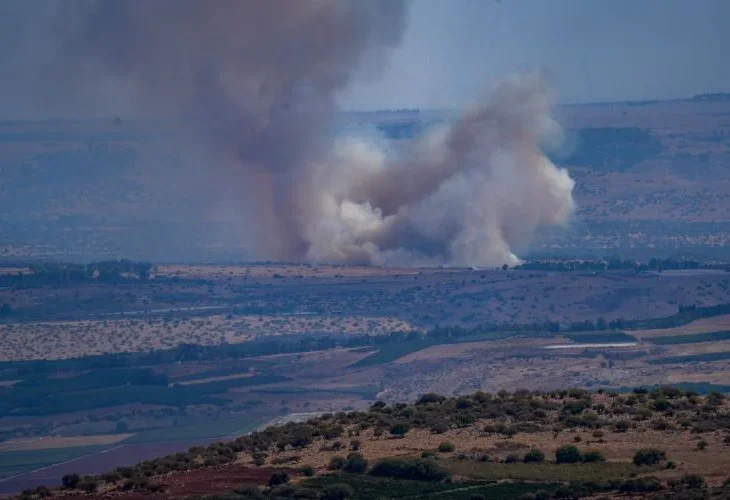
[(590, 49)]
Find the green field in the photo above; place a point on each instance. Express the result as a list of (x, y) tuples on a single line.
[(208, 429), (18, 462), (371, 488), (599, 337), (691, 358), (548, 472), (690, 339)]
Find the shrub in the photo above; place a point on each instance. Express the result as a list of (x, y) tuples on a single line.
[(401, 468), (598, 434), (400, 429), (701, 445), (446, 447), (338, 492), (307, 470), (70, 481), (88, 484), (355, 445), (693, 481), (430, 398), (336, 463), (439, 428), (593, 456), (640, 485), (577, 439), (356, 463), (511, 459), (427, 454), (622, 426), (567, 454), (648, 456), (277, 478), (534, 456)]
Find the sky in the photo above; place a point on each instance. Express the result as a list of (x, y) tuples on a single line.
[(454, 50), (589, 50)]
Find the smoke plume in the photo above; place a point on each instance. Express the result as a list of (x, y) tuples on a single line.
[(257, 82)]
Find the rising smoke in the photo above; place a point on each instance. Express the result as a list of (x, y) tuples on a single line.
[(257, 83)]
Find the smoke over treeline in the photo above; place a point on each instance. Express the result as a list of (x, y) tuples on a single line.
[(257, 82)]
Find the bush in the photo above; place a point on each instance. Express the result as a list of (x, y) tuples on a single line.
[(446, 447), (511, 459), (88, 484), (338, 492), (356, 463), (534, 456), (640, 485), (336, 463), (400, 429), (307, 470), (598, 434), (622, 426), (693, 481), (70, 481), (439, 428), (427, 454), (701, 445), (649, 456), (402, 468), (430, 398), (593, 456), (567, 454), (355, 445), (279, 477)]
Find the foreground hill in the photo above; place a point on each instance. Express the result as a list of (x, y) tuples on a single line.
[(663, 443)]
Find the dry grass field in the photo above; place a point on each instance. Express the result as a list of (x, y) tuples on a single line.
[(66, 339)]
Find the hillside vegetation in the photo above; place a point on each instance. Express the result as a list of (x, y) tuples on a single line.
[(660, 443)]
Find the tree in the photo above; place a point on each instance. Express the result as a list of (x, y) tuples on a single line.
[(70, 481), (356, 463), (593, 456), (648, 456), (567, 454), (279, 477), (338, 492), (400, 429), (336, 463), (534, 456), (122, 427), (446, 447)]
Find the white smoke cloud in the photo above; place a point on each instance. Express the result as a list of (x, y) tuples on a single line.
[(468, 193)]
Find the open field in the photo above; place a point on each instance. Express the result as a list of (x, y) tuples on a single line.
[(48, 443)]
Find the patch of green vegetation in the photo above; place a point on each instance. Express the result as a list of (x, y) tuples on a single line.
[(201, 430), (391, 352), (19, 462), (600, 337), (547, 472), (35, 399), (691, 339), (366, 391), (368, 487), (691, 358)]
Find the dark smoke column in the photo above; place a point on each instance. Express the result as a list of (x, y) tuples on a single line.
[(256, 81)]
